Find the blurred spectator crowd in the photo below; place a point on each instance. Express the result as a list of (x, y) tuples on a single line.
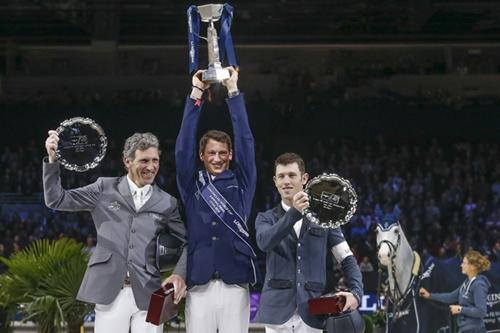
[(447, 187), (449, 195)]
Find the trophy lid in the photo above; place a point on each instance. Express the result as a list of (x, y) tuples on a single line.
[(211, 12)]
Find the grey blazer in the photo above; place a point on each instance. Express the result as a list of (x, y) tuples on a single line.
[(126, 239)]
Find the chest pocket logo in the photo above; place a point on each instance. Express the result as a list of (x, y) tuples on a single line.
[(114, 206), (157, 218)]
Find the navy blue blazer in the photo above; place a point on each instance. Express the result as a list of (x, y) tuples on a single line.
[(296, 266), (212, 247)]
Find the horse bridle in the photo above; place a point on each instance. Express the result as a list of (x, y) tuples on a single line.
[(393, 248), (391, 296)]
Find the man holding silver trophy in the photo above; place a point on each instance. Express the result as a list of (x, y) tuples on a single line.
[(297, 246), (216, 181), (129, 212)]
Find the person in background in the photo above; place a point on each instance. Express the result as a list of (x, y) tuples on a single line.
[(468, 302)]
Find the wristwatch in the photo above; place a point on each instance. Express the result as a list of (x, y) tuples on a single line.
[(196, 93), (233, 93)]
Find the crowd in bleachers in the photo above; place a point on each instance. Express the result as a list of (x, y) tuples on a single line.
[(449, 194), (446, 185)]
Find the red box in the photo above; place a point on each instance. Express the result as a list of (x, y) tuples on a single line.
[(331, 305), (161, 305)]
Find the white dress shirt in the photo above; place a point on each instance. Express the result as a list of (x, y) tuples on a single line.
[(140, 194)]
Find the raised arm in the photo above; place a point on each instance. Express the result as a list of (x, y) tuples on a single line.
[(269, 233), (244, 144), (83, 198), (186, 153)]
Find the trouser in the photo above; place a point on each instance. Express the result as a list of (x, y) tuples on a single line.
[(293, 325), (121, 315), (218, 306)]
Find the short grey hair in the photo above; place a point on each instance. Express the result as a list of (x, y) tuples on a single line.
[(141, 141)]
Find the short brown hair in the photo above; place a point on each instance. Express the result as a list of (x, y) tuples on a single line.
[(218, 136), (476, 259), (289, 158)]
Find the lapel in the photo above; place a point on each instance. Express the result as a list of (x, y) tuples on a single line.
[(153, 200), (305, 226), (279, 212), (124, 191)]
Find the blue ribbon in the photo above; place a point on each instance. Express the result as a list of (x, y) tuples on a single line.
[(226, 47), (193, 37), (225, 40), (223, 209)]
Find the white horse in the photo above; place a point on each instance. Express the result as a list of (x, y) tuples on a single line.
[(406, 312), (403, 267)]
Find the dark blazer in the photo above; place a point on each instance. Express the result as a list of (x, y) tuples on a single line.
[(296, 266), (126, 239), (212, 247)]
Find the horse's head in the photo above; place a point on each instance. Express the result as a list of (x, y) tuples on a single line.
[(396, 254), (388, 234), (388, 240)]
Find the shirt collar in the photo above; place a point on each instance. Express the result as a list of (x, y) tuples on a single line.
[(285, 206), (133, 187)]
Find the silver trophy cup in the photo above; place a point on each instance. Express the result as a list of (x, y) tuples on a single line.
[(215, 73)]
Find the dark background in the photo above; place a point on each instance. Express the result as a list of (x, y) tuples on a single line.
[(401, 97)]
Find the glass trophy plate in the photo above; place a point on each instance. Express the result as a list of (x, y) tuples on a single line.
[(332, 200), (82, 144)]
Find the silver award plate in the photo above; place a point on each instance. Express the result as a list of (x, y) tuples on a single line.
[(82, 144), (332, 200)]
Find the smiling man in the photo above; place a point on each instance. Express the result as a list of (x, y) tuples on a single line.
[(297, 251), (143, 167), (128, 213), (217, 201)]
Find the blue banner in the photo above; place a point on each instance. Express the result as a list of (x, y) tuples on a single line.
[(193, 37), (223, 209), (226, 46)]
